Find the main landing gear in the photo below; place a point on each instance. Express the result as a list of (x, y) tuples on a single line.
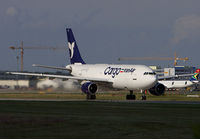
[(131, 96), (89, 97)]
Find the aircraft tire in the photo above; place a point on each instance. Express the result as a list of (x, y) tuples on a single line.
[(144, 97), (90, 96), (93, 97), (130, 97)]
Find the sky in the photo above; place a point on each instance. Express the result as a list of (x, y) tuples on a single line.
[(104, 30)]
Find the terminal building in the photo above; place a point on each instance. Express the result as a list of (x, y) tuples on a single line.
[(177, 70)]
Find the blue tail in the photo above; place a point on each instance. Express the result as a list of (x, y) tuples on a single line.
[(74, 53)]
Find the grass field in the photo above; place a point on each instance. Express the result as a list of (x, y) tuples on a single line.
[(22, 119), (114, 95)]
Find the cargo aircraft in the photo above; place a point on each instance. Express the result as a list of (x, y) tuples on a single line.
[(91, 76)]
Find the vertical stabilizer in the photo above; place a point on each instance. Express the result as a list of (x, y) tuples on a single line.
[(195, 77), (74, 53)]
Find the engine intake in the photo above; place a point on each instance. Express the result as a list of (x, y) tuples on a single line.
[(89, 88), (157, 90)]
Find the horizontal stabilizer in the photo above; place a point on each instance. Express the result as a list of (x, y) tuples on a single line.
[(51, 67)]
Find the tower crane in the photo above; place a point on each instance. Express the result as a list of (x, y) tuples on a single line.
[(21, 48), (175, 58)]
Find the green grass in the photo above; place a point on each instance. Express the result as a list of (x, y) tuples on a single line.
[(20, 119), (102, 96)]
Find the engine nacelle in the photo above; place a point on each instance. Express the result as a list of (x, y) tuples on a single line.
[(89, 88), (157, 90)]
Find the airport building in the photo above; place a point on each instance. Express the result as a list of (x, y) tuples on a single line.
[(177, 70)]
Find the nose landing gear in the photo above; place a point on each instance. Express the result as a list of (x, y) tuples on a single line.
[(131, 96), (143, 95)]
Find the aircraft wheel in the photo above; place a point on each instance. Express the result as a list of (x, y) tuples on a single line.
[(90, 96), (133, 97), (144, 97), (93, 97), (127, 97), (130, 97)]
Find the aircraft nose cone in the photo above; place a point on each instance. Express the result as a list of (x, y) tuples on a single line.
[(152, 81), (155, 80)]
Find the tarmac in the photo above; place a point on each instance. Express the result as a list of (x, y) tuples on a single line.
[(109, 101)]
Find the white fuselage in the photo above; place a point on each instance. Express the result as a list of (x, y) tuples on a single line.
[(177, 84), (128, 77)]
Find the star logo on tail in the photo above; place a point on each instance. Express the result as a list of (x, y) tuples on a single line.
[(71, 47)]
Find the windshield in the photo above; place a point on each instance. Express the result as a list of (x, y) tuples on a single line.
[(149, 73)]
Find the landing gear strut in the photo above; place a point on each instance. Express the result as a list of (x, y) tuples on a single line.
[(143, 95), (89, 96), (131, 96)]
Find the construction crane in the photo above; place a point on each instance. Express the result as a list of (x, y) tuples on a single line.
[(21, 48), (175, 58)]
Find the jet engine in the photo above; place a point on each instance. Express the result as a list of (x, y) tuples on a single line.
[(157, 90), (89, 88)]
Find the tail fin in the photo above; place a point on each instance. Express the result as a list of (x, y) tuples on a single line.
[(195, 77), (74, 53)]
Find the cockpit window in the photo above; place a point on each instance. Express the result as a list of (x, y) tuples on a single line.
[(149, 73)]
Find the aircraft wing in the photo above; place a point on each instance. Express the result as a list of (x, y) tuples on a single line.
[(51, 67), (174, 76), (62, 77)]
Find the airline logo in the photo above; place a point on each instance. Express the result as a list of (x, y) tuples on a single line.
[(195, 76), (115, 71), (71, 48)]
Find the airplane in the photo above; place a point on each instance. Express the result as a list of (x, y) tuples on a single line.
[(177, 84), (90, 76)]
